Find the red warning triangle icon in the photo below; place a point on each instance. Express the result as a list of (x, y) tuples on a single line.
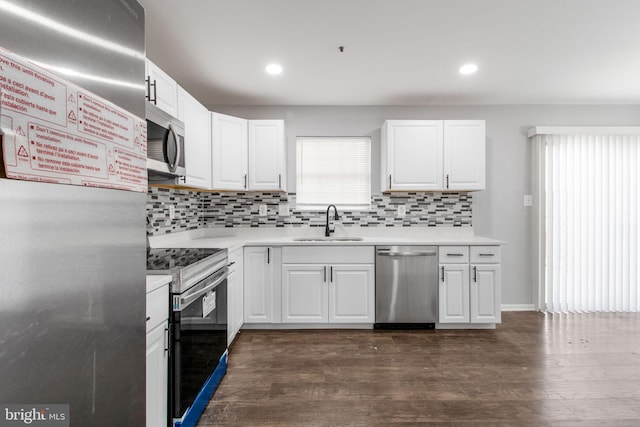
[(71, 98), (112, 169), (22, 152), (72, 116), (20, 131)]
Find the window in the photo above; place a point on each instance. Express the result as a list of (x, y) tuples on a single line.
[(333, 171)]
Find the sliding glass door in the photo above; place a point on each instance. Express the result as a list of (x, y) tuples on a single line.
[(589, 187)]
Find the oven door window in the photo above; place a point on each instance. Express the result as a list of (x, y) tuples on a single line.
[(200, 341)]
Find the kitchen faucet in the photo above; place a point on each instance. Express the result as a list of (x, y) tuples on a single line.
[(327, 229)]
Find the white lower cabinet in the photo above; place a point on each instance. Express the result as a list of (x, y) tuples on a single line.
[(305, 295), (157, 360), (485, 293), (262, 284), (352, 294), (470, 288), (328, 285), (454, 293), (235, 294)]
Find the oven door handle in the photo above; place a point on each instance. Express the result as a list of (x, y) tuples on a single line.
[(193, 294)]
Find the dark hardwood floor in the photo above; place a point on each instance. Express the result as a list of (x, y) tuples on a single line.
[(532, 370)]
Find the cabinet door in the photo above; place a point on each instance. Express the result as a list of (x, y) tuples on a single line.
[(228, 152), (258, 285), (157, 375), (454, 293), (304, 293), (166, 89), (197, 127), (485, 293), (412, 152), (267, 155), (351, 294), (464, 154)]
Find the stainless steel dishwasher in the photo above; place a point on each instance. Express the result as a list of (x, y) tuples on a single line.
[(406, 287)]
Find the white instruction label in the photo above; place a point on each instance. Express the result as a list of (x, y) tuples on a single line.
[(208, 303), (55, 131)]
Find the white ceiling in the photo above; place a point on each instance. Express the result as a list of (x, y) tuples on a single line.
[(399, 52)]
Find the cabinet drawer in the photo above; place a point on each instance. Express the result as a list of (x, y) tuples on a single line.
[(157, 307), (485, 254), (328, 255), (453, 254)]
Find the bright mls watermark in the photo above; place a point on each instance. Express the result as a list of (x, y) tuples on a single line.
[(41, 415)]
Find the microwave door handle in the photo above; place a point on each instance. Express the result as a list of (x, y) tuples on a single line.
[(178, 150), (193, 295), (169, 137)]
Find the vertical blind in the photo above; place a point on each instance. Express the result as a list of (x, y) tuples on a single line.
[(333, 171), (591, 186)]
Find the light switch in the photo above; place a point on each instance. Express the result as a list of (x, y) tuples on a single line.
[(528, 200), (262, 210)]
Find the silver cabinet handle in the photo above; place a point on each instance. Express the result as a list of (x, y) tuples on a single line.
[(324, 269), (475, 275), (442, 269), (245, 180), (280, 181), (447, 180), (486, 254), (455, 254), (389, 181), (268, 255), (331, 275)]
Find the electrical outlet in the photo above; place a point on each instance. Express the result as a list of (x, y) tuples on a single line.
[(262, 210), (402, 210), (528, 200), (283, 209), (172, 212)]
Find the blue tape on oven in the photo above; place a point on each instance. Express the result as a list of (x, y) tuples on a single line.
[(192, 415)]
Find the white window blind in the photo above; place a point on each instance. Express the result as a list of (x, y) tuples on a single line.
[(591, 208), (333, 171)]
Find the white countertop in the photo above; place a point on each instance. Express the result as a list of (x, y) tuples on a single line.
[(154, 282), (235, 238)]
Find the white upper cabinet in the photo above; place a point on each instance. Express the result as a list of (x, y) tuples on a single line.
[(267, 155), (247, 154), (433, 155), (229, 152), (162, 90), (411, 155), (464, 155), (197, 139)]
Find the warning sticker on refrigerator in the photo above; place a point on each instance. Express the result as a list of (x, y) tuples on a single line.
[(55, 131)]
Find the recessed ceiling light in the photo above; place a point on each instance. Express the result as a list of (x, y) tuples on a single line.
[(274, 69), (468, 69)]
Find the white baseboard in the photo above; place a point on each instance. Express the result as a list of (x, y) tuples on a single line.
[(518, 307)]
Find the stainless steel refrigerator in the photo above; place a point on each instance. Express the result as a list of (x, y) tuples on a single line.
[(72, 258)]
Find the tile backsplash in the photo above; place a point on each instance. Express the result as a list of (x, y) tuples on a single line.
[(230, 209)]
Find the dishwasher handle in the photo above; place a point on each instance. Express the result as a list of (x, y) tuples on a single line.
[(429, 253)]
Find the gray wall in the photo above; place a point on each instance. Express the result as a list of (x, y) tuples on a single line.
[(498, 211)]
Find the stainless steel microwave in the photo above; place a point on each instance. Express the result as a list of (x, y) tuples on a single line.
[(165, 144)]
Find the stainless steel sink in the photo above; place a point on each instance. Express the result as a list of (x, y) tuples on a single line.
[(328, 239)]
